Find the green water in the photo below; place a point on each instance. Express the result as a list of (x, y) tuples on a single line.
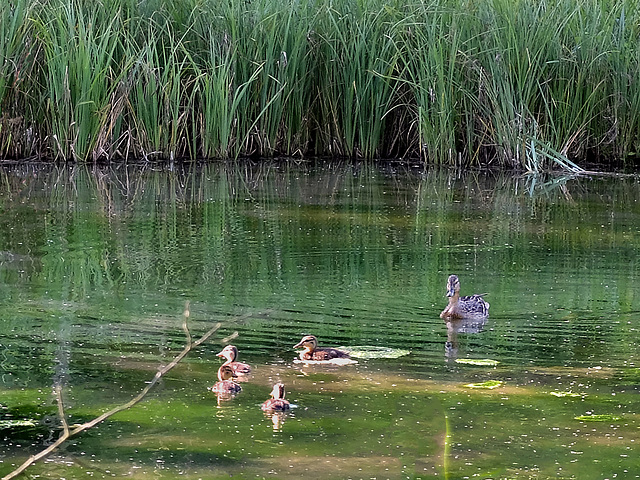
[(96, 264)]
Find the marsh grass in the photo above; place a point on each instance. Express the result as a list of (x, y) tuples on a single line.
[(79, 45), (525, 84), (16, 60)]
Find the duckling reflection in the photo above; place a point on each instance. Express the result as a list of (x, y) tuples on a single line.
[(460, 326), (226, 388), (472, 306), (230, 354), (277, 420), (313, 352)]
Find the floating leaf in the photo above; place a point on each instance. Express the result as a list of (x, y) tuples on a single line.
[(488, 384), (485, 362), (598, 418), (371, 351), (568, 394), (6, 424)]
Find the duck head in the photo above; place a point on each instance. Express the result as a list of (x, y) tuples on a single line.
[(278, 391), (230, 352), (309, 343), (453, 286), (225, 372)]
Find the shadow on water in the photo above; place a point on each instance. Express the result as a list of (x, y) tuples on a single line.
[(97, 262)]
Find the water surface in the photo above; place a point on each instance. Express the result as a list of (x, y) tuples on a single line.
[(97, 262)]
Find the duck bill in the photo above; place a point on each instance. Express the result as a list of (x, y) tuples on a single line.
[(219, 354), (451, 292), (297, 345)]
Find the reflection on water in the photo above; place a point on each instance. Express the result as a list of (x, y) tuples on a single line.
[(96, 263), (277, 419), (460, 326)]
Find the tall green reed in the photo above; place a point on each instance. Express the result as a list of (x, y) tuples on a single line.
[(15, 62), (272, 69), (160, 95), (526, 84), (432, 52), (80, 43), (359, 61)]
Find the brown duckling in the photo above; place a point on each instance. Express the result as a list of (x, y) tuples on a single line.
[(472, 306), (225, 383), (312, 352), (277, 403), (230, 353)]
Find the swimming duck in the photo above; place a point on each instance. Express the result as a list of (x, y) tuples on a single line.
[(230, 353), (225, 384), (312, 352), (277, 403), (473, 306)]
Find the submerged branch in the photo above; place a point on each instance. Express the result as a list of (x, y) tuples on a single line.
[(68, 433)]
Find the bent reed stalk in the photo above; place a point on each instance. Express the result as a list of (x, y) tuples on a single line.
[(528, 84)]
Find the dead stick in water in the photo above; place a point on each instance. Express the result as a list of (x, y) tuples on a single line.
[(67, 433)]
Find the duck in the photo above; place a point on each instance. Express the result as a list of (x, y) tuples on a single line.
[(277, 403), (312, 352), (225, 383), (472, 306), (230, 353)]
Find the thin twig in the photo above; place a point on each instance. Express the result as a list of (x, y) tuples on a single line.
[(226, 340), (85, 426), (63, 418)]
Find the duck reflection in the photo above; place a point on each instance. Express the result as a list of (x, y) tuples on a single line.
[(277, 420), (463, 325)]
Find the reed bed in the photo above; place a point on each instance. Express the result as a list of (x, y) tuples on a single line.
[(524, 84)]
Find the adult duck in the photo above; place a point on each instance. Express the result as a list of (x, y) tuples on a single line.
[(276, 403), (313, 352), (472, 306), (230, 353)]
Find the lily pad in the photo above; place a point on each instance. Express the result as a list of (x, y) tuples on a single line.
[(598, 418), (489, 384), (485, 362), (372, 351), (568, 394), (7, 424)]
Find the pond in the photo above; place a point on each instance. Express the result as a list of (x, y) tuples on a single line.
[(98, 262)]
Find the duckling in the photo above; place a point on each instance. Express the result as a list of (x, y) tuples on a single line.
[(312, 352), (225, 384), (473, 306), (277, 403), (230, 353)]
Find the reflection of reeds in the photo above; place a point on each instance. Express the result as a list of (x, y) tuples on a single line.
[(254, 226), (452, 81)]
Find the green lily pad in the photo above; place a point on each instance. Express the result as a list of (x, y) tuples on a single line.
[(485, 362), (7, 424), (488, 384), (598, 418), (568, 394), (371, 351)]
